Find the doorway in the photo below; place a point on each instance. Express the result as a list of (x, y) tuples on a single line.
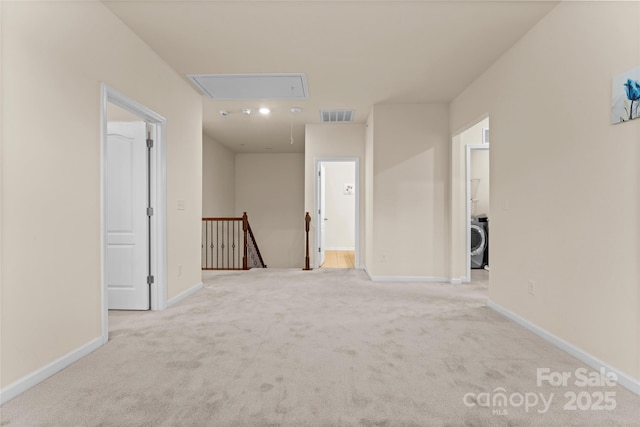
[(477, 207), (133, 200), (467, 198), (337, 198)]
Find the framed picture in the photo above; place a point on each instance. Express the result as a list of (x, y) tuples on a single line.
[(625, 96)]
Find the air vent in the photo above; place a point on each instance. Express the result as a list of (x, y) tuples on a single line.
[(251, 86), (336, 116)]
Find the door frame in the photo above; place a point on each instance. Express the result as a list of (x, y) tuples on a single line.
[(318, 162), (468, 149), (158, 182)]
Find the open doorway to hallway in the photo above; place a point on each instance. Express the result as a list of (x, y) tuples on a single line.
[(337, 213)]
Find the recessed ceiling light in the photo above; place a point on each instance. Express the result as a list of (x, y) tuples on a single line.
[(296, 110), (264, 110), (224, 113), (246, 111)]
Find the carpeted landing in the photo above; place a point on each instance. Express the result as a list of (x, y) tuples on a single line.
[(322, 348)]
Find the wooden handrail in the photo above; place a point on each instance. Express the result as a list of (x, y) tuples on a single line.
[(307, 221), (223, 219)]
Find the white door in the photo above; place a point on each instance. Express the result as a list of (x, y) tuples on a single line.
[(127, 231), (321, 217)]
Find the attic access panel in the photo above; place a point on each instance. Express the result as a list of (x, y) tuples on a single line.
[(251, 86)]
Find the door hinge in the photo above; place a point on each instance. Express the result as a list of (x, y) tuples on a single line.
[(149, 280), (318, 211), (319, 173), (149, 211), (149, 143), (320, 250)]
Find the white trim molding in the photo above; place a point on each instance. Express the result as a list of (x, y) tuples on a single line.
[(35, 378), (184, 294), (624, 380)]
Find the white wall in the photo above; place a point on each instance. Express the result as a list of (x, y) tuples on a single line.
[(270, 188), (568, 178), (479, 169), (117, 114), (218, 179), (333, 140), (410, 191), (368, 188), (340, 207), (54, 57)]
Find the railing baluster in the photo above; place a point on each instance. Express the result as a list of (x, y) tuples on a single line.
[(217, 263), (206, 244)]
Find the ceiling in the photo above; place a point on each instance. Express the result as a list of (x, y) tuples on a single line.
[(354, 54)]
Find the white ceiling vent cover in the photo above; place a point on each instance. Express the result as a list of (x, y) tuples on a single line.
[(336, 116), (252, 86)]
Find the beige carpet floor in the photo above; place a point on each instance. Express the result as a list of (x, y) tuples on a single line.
[(322, 348)]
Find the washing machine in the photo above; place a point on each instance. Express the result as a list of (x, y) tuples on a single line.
[(479, 241)]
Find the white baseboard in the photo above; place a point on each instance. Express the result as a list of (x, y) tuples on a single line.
[(431, 279), (35, 378), (409, 279), (624, 380), (340, 248), (184, 294), (458, 281), (405, 278)]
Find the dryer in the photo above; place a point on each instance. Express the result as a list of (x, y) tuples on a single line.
[(479, 241)]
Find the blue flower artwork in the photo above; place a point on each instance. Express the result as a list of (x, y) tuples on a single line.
[(625, 96)]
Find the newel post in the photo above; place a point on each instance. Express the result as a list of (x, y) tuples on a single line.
[(245, 227), (307, 221)]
